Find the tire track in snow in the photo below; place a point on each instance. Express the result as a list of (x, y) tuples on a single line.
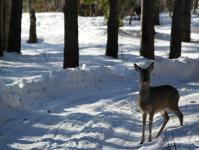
[(37, 117), (90, 121), (103, 125)]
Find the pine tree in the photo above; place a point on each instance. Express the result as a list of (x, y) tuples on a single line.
[(175, 44), (112, 29), (147, 35), (71, 47), (14, 37)]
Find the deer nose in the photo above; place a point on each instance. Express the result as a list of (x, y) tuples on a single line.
[(145, 80)]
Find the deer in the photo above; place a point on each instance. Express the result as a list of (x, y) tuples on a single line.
[(157, 99)]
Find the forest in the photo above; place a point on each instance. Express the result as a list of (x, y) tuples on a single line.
[(99, 74)]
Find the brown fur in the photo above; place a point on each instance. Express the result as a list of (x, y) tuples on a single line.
[(152, 100)]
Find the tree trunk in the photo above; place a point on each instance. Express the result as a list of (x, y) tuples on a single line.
[(32, 31), (7, 16), (131, 16), (175, 44), (1, 23), (147, 35), (14, 38), (1, 43), (157, 13), (1, 49), (92, 10), (186, 21), (195, 6), (5, 10), (71, 47), (169, 5), (112, 29)]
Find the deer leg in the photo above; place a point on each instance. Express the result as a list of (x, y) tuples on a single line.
[(166, 119), (143, 127), (178, 113), (150, 125)]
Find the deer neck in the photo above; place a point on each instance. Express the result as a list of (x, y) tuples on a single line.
[(144, 92)]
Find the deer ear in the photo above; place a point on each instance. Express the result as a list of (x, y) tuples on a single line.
[(137, 68), (150, 68)]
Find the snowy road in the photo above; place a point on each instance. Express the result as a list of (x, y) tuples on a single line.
[(107, 120), (99, 122)]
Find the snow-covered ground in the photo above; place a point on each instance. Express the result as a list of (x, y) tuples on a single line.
[(93, 106)]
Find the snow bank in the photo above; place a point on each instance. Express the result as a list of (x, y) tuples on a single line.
[(8, 97), (167, 70), (184, 69), (94, 77), (56, 82)]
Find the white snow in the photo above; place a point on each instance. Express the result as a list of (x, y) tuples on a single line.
[(93, 106)]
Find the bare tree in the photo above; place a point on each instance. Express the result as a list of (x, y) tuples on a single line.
[(32, 31), (71, 47), (175, 44), (147, 34), (113, 27)]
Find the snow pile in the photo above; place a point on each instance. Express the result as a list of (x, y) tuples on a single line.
[(182, 69), (8, 97), (57, 82)]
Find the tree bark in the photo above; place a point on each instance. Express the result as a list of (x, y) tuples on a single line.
[(71, 47), (7, 16), (1, 27), (147, 34), (113, 29), (5, 13), (14, 38), (186, 21), (32, 31), (175, 44)]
